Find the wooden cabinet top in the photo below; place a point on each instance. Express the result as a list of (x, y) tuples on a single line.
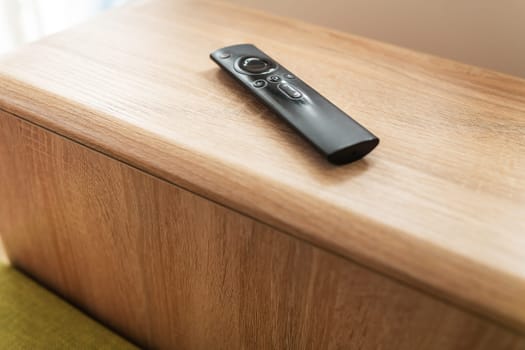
[(440, 204)]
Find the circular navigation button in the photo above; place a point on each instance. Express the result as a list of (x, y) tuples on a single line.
[(254, 65), (259, 83)]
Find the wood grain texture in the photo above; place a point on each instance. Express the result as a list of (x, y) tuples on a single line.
[(173, 270), (440, 204)]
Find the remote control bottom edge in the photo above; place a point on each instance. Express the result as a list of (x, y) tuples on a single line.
[(352, 153)]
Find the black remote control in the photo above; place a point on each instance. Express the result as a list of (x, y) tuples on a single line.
[(340, 138)]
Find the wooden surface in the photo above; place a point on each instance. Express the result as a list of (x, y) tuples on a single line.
[(439, 204), (173, 270)]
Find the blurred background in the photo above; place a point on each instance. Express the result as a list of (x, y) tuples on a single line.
[(485, 33), (22, 21)]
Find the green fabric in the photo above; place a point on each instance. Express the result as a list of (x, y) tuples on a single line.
[(33, 318)]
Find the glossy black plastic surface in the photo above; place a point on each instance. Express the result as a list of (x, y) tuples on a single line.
[(340, 138)]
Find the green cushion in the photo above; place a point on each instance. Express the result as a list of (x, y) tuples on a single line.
[(33, 318)]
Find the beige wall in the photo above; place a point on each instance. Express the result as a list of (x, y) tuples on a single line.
[(488, 33)]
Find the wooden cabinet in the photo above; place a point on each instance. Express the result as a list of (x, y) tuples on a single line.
[(141, 183)]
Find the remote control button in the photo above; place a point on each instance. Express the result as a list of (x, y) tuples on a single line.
[(274, 79), (259, 83), (225, 55), (290, 91), (255, 65), (289, 76)]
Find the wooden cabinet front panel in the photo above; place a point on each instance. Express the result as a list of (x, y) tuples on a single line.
[(170, 269)]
